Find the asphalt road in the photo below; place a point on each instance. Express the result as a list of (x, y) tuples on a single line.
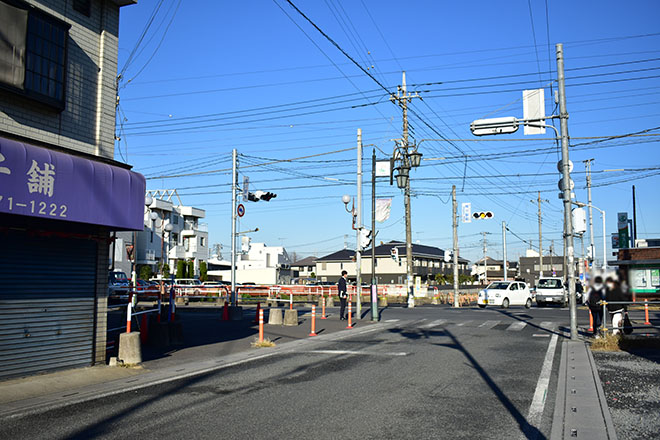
[(436, 373)]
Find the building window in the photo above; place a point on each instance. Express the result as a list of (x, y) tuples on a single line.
[(33, 53), (201, 241), (324, 266), (151, 239), (175, 219), (175, 238)]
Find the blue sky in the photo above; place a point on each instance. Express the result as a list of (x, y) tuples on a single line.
[(209, 76)]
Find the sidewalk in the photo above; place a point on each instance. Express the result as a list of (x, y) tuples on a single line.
[(209, 344)]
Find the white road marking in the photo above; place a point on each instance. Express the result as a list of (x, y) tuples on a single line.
[(517, 326), (548, 325), (435, 323), (541, 392), (489, 324), (461, 324), (391, 320), (541, 335), (362, 353)]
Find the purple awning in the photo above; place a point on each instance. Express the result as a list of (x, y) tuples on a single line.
[(39, 182)]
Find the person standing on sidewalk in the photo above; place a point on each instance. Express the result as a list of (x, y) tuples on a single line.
[(594, 295), (614, 293), (342, 293)]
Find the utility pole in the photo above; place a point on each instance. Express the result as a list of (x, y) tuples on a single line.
[(592, 253), (374, 284), (358, 227), (454, 220), (485, 263), (634, 215), (234, 188), (568, 220), (402, 98), (504, 262), (539, 200)]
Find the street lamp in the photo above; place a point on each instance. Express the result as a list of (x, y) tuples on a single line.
[(602, 213), (405, 157)]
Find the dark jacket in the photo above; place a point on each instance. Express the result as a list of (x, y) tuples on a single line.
[(595, 295), (341, 287), (615, 294)]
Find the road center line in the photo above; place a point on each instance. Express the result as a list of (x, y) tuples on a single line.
[(538, 401)]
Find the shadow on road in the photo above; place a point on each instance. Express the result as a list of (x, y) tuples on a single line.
[(529, 431)]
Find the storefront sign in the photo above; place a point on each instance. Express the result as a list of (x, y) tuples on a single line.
[(39, 182)]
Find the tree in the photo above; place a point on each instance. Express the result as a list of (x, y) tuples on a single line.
[(191, 269), (202, 271), (180, 269), (145, 272), (166, 270), (312, 275)]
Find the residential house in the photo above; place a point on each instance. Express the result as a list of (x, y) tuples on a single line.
[(493, 270), (304, 269)]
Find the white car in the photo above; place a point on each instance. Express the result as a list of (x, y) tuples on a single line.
[(505, 294), (550, 290)]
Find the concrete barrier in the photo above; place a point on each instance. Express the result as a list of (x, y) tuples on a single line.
[(329, 302), (130, 349), (275, 317), (291, 317)]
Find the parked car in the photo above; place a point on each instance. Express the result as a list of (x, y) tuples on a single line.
[(146, 290), (188, 287), (505, 294), (550, 290)]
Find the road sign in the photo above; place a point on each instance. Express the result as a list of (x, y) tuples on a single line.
[(382, 168), (246, 184), (484, 127), (466, 212), (240, 210)]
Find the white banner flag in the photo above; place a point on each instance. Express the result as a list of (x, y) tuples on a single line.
[(383, 207)]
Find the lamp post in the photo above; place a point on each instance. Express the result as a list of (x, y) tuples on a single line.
[(346, 199), (602, 213), (406, 157)]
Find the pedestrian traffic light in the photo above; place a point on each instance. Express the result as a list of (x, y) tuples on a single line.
[(260, 195), (394, 253), (365, 238), (482, 215)]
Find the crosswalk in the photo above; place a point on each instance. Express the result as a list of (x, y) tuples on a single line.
[(544, 327)]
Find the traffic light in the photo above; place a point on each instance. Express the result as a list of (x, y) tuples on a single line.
[(365, 238), (482, 215), (260, 195), (394, 253)]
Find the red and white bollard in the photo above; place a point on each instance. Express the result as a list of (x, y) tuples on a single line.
[(323, 308), (129, 313), (313, 333), (591, 322), (350, 314), (261, 325), (646, 312)]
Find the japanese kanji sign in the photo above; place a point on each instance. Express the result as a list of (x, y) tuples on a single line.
[(39, 182)]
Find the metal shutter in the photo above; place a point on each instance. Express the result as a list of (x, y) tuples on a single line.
[(47, 291)]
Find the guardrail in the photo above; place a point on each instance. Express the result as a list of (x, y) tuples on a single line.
[(647, 323)]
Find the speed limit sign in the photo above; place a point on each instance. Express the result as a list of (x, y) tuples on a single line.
[(240, 210)]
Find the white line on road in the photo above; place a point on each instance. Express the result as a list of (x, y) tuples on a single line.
[(461, 324), (435, 323), (489, 324), (541, 392), (547, 325), (363, 353), (541, 335), (391, 320), (517, 326)]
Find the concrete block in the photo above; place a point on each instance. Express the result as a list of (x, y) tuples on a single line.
[(130, 349), (181, 301), (329, 302), (291, 317), (113, 362), (272, 303), (321, 299), (235, 313), (382, 301), (175, 333), (275, 317)]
